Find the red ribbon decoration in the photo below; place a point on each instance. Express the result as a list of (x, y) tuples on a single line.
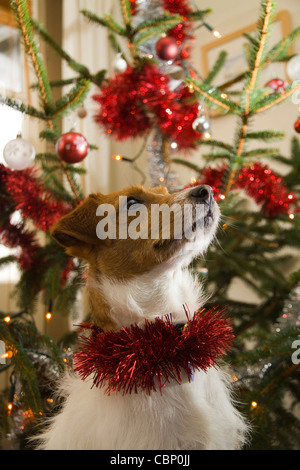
[(134, 358)]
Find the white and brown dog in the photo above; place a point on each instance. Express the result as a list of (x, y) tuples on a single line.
[(130, 279)]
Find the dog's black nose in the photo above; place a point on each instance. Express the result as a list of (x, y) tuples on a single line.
[(202, 193)]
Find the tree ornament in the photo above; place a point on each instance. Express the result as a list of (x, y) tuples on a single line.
[(277, 84), (120, 64), (82, 112), (167, 48), (293, 68), (19, 154), (176, 75), (72, 147), (201, 124), (297, 126)]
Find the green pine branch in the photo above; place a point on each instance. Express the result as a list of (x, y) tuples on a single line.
[(22, 108), (214, 96), (126, 11), (25, 368), (293, 162), (220, 61), (21, 9), (165, 21), (198, 15), (58, 83), (50, 135), (81, 69), (258, 48), (274, 99), (265, 136), (74, 65), (151, 28), (71, 100), (280, 52), (187, 164), (115, 45), (107, 21), (262, 152), (213, 156), (217, 143)]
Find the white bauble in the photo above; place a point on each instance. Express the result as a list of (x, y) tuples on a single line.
[(120, 64), (293, 67), (19, 154)]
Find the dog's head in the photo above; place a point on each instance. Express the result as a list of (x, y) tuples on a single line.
[(129, 232)]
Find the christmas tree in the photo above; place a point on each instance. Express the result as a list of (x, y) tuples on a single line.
[(156, 95)]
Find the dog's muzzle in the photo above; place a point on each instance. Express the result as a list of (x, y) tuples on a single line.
[(202, 194)]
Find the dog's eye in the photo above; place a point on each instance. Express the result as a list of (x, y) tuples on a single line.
[(131, 201)]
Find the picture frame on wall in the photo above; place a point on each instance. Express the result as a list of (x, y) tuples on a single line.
[(235, 64)]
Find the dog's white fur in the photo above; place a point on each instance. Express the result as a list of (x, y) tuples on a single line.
[(193, 415)]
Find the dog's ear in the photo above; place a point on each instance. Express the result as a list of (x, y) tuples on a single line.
[(76, 231)]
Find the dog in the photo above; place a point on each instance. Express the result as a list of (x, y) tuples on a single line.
[(130, 280)]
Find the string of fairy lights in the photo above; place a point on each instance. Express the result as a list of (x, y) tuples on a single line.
[(7, 354)]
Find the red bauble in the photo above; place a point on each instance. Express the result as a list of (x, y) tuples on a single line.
[(297, 126), (167, 48), (276, 84), (72, 147)]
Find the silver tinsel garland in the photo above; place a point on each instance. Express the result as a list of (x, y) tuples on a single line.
[(159, 169), (159, 165)]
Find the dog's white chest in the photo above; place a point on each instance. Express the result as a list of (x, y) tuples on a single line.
[(195, 415)]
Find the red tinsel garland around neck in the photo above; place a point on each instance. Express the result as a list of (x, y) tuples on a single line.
[(134, 358)]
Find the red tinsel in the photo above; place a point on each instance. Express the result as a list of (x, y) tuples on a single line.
[(147, 358), (135, 101), (121, 102), (175, 119), (16, 235), (21, 191), (259, 182), (182, 30), (31, 198)]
